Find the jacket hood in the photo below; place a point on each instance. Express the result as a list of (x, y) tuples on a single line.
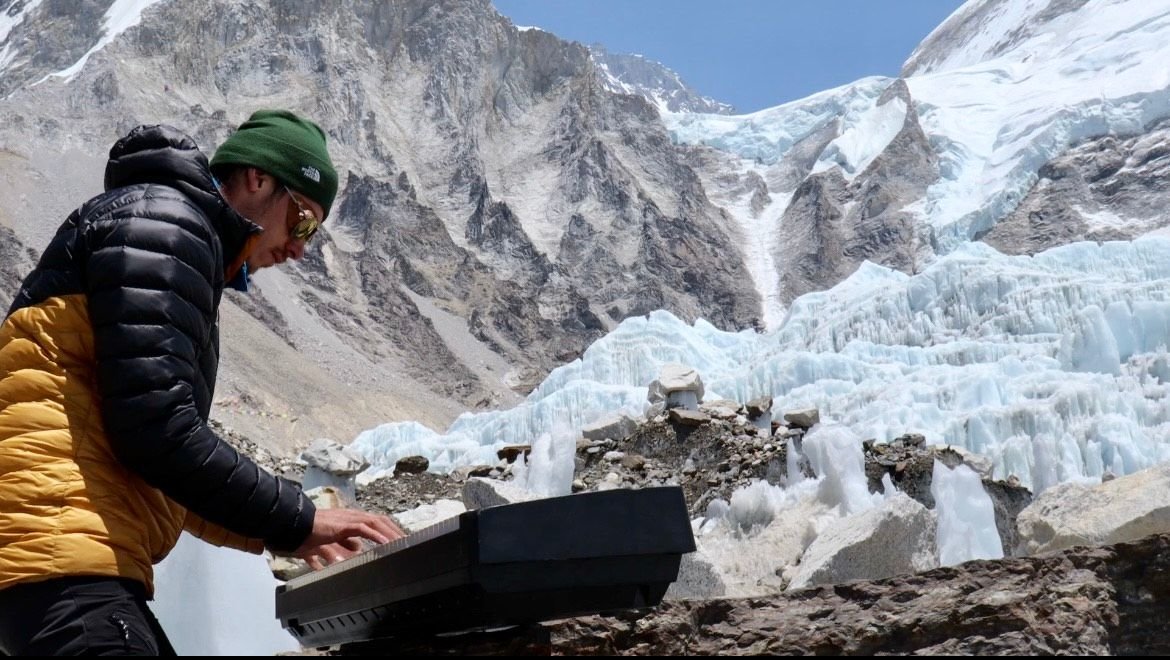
[(164, 155)]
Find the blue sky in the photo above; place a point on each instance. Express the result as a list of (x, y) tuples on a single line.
[(752, 54)]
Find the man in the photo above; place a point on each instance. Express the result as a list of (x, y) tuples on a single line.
[(108, 360)]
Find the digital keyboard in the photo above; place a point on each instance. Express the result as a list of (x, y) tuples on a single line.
[(503, 565)]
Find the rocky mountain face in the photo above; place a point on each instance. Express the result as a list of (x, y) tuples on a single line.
[(63, 32), (833, 224), (813, 221), (1106, 188), (500, 207), (662, 87), (15, 260)]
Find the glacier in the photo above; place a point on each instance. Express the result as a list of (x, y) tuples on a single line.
[(1055, 366)]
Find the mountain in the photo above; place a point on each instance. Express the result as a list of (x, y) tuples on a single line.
[(1042, 117), (972, 251), (653, 81), (500, 208)]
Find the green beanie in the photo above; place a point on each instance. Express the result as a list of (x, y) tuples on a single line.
[(289, 148)]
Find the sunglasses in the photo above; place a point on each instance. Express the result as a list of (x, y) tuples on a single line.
[(304, 223)]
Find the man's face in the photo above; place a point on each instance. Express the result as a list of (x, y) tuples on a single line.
[(278, 211)]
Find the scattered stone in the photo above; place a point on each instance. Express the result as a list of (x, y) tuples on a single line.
[(510, 452), (617, 427), (803, 419), (720, 409), (759, 406), (912, 440), (611, 481), (678, 386), (633, 462), (411, 465), (687, 417), (480, 493), (329, 463)]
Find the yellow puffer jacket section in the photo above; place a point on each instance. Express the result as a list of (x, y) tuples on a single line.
[(67, 506)]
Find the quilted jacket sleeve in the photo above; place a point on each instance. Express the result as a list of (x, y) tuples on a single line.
[(216, 535), (149, 281)]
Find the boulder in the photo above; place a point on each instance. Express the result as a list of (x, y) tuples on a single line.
[(1123, 509), (895, 538)]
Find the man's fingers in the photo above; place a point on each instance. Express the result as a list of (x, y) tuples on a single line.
[(367, 531), (380, 529), (395, 530), (387, 528), (338, 525)]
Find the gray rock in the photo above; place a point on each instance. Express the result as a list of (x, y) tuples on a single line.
[(411, 465), (803, 419), (331, 464), (697, 578), (895, 538), (480, 493), (685, 417), (759, 406), (333, 457), (616, 427), (675, 378), (1122, 509)]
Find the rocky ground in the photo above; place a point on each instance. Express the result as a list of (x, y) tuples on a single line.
[(1083, 601), (710, 453)]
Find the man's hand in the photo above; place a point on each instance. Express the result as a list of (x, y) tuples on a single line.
[(337, 534)]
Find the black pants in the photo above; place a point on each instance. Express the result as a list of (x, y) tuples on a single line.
[(79, 616)]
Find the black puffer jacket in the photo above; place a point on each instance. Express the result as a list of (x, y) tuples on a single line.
[(146, 260)]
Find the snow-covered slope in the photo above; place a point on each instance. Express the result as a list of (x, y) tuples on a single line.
[(998, 90), (658, 84), (999, 111)]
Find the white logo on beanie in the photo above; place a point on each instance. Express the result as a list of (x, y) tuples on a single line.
[(311, 172)]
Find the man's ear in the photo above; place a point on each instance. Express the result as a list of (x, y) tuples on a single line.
[(256, 180)]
